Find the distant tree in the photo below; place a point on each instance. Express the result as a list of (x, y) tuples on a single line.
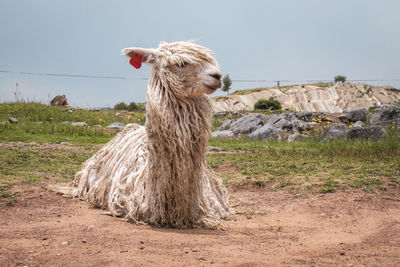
[(121, 106), (340, 79), (265, 104), (227, 82)]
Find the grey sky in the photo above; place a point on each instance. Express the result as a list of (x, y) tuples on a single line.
[(268, 40)]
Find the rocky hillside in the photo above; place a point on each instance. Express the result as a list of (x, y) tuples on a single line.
[(320, 97)]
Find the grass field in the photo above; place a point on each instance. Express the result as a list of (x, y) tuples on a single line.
[(303, 167)]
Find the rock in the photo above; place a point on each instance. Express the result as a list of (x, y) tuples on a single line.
[(219, 115), (281, 122), (65, 122), (264, 133), (386, 115), (117, 125), (335, 131), (65, 243), (358, 124), (247, 123), (308, 116), (373, 133), (223, 134), (300, 125), (12, 120), (225, 125), (98, 126), (65, 144), (213, 148), (295, 136), (81, 123), (59, 100), (357, 115)]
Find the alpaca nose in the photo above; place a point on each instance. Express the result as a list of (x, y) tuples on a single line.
[(216, 75)]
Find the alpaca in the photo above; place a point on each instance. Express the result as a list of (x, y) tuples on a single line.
[(157, 174)]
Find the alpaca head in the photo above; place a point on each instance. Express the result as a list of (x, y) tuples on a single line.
[(184, 68)]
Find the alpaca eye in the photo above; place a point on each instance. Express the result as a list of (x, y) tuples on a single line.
[(182, 64)]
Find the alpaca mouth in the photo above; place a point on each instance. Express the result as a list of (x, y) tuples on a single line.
[(213, 87)]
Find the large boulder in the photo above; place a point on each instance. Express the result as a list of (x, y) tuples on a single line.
[(226, 124), (265, 132), (59, 100), (386, 115), (280, 122), (373, 133), (357, 115), (335, 131), (247, 123)]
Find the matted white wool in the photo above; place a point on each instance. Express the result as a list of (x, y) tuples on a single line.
[(158, 174)]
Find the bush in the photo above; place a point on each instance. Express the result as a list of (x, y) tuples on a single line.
[(340, 79), (121, 106), (265, 104)]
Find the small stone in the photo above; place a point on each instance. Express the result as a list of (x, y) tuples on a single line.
[(81, 123), (201, 258), (117, 125), (249, 217), (141, 247), (84, 241), (65, 243), (186, 249), (298, 195), (12, 120), (58, 254), (31, 251), (65, 144), (342, 253), (122, 251)]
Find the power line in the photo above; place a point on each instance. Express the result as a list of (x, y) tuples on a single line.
[(273, 81), (63, 75), (238, 80)]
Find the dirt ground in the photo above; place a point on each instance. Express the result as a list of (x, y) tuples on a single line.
[(270, 228)]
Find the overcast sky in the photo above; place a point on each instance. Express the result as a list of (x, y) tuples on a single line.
[(252, 39)]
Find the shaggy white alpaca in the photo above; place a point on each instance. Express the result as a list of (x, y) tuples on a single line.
[(158, 174)]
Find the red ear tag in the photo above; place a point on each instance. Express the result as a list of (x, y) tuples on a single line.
[(136, 61)]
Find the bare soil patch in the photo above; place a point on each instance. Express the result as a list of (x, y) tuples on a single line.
[(270, 228)]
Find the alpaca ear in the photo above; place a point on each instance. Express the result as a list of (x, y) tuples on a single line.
[(139, 55)]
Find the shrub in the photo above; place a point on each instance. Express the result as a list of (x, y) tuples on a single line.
[(340, 79), (121, 106), (271, 104)]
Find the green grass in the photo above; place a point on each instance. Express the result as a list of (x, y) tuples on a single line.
[(309, 166), (43, 123), (31, 165)]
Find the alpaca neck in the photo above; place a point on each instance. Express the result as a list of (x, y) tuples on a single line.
[(177, 129), (177, 132)]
